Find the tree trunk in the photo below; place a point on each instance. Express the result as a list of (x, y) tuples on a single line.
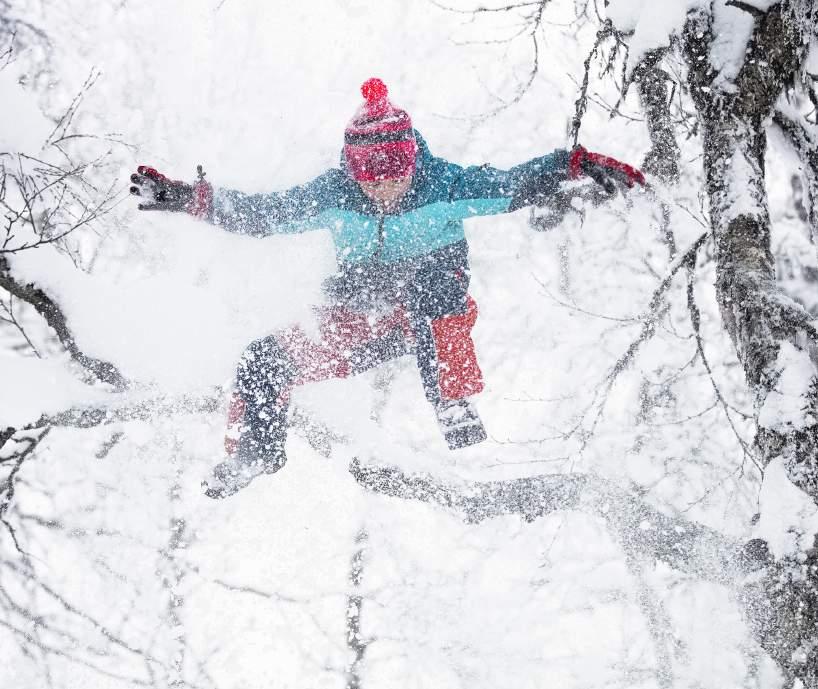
[(775, 341), (772, 334)]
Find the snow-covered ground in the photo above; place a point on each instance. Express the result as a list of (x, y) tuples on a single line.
[(253, 591)]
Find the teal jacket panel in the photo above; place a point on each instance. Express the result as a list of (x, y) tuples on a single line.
[(429, 217)]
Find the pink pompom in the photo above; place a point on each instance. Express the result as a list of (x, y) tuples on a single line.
[(374, 90)]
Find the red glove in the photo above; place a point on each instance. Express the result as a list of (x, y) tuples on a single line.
[(164, 194), (602, 169)]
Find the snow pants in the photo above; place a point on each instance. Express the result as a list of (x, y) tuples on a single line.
[(433, 322)]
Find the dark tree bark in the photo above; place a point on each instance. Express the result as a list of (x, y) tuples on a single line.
[(651, 80)]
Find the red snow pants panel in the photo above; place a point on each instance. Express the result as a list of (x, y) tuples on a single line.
[(349, 342), (459, 374), (235, 417)]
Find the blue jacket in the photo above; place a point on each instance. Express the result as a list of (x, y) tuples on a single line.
[(428, 218)]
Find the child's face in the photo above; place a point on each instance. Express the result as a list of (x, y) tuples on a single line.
[(387, 192)]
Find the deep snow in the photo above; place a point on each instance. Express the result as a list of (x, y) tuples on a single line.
[(259, 94)]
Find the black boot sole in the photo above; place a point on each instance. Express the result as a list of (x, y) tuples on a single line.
[(458, 438)]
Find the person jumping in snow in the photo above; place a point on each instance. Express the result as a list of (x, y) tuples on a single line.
[(396, 215)]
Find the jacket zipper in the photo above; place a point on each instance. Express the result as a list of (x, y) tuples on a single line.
[(381, 236)]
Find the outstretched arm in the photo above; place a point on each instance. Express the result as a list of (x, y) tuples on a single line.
[(484, 190), (292, 210), (289, 211)]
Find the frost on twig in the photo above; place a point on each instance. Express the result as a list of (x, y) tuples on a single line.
[(15, 460), (44, 203)]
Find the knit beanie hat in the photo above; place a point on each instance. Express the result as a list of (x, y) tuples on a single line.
[(379, 142)]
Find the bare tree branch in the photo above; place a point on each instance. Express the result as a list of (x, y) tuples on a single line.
[(482, 10), (663, 157), (12, 318), (745, 7), (581, 104)]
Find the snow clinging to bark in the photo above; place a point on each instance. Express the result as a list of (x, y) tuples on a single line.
[(743, 194), (653, 22), (789, 518), (784, 407)]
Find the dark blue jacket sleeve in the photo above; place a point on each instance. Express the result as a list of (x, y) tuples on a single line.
[(292, 210), (486, 190)]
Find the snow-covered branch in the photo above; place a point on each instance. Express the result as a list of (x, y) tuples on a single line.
[(54, 316), (676, 541)]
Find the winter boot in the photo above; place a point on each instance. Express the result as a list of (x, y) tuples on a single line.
[(239, 469), (257, 419), (460, 423)]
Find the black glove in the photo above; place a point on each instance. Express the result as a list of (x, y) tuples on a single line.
[(542, 190), (159, 192), (604, 170)]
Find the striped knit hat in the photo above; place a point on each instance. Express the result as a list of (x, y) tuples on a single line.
[(379, 142)]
